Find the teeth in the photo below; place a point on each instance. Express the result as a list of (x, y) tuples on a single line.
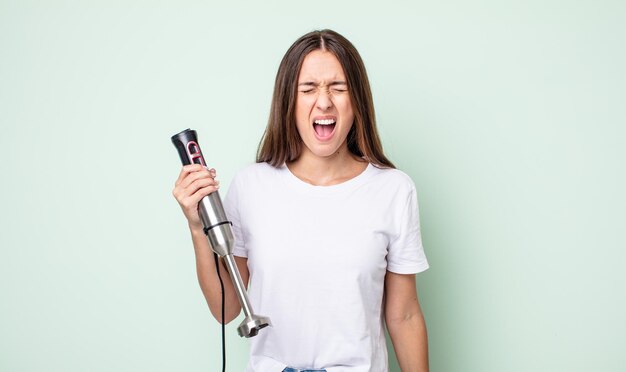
[(325, 122)]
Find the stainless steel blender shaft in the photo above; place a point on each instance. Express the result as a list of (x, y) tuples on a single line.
[(220, 235), (252, 323)]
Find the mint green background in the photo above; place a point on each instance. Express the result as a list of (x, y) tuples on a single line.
[(508, 115)]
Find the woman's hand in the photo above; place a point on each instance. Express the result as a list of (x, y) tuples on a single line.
[(194, 183)]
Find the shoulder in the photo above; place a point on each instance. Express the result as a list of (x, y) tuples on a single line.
[(255, 170), (255, 174), (393, 179)]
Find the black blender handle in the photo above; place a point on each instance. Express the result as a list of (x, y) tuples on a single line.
[(186, 143)]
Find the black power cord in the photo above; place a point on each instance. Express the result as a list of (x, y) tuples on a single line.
[(217, 267)]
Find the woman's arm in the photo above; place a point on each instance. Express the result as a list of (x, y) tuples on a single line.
[(194, 183), (405, 322), (209, 282)]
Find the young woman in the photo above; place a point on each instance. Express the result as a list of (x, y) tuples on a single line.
[(327, 231)]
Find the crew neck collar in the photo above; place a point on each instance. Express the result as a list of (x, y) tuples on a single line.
[(344, 186)]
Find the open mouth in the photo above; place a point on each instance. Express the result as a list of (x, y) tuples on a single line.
[(324, 127)]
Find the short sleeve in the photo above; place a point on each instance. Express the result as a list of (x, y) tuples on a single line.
[(231, 207), (406, 252)]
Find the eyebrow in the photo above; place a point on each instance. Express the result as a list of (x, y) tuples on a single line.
[(310, 83)]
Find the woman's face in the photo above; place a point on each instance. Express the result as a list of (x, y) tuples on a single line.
[(324, 113)]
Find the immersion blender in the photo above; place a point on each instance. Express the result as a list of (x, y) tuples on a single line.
[(218, 230)]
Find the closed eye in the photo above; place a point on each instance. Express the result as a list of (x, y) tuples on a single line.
[(338, 86), (334, 87)]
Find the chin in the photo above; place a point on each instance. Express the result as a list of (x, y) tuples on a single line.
[(326, 153)]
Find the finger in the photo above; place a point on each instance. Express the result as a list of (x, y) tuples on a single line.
[(187, 169), (201, 183), (192, 201), (189, 185), (191, 177), (201, 193)]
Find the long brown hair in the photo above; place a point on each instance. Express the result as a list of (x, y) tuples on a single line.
[(281, 142)]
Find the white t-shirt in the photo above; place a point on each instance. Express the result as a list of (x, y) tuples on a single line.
[(317, 257)]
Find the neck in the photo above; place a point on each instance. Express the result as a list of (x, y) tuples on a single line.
[(326, 171)]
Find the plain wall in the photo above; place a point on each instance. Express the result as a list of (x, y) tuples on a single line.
[(509, 116)]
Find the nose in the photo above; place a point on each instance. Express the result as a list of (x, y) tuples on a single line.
[(323, 100)]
